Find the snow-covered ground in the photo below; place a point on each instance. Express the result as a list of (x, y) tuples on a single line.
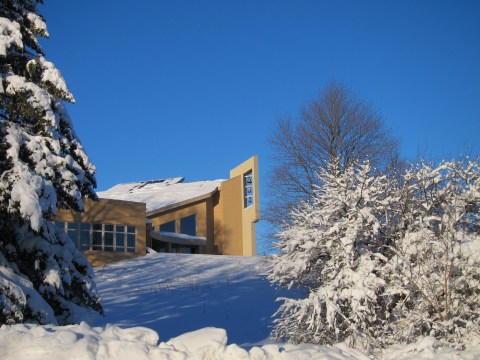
[(173, 294), (166, 306)]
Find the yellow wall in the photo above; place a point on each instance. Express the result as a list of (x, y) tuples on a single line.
[(238, 223), (228, 218), (110, 212)]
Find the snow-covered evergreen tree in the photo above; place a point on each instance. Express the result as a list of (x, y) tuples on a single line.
[(332, 249), (43, 276), (436, 261)]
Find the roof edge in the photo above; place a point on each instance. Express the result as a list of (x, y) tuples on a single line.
[(182, 203)]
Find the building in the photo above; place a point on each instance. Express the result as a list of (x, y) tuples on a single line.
[(170, 215)]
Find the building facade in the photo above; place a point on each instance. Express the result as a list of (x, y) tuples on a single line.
[(108, 230), (204, 217)]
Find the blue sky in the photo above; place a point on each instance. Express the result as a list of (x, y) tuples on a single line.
[(193, 88)]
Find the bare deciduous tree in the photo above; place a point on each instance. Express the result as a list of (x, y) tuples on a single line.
[(336, 125)]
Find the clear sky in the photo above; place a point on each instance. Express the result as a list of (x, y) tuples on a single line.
[(193, 88)]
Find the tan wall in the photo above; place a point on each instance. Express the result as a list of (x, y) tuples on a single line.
[(238, 223), (229, 218), (107, 211)]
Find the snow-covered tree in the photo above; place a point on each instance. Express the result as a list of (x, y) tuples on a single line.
[(383, 262), (43, 276), (331, 249), (436, 261)]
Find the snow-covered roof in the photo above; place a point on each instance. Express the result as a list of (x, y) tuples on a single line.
[(176, 238), (161, 194)]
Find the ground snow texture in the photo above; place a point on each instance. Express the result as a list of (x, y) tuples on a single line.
[(165, 306), (174, 294), (84, 342)]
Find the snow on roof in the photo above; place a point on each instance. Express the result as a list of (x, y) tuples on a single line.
[(159, 194)]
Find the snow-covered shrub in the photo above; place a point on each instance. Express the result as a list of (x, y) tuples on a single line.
[(43, 276), (436, 246), (383, 261), (331, 249)]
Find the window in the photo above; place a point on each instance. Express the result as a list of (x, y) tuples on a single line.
[(85, 235), (130, 242), (97, 237), (119, 242), (188, 225), (108, 241), (168, 227), (247, 189), (72, 231), (101, 237)]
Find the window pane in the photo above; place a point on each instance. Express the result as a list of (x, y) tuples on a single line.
[(168, 227), (131, 240), (130, 250), (97, 227), (108, 227), (60, 225), (188, 225), (121, 228), (72, 226), (120, 249), (131, 229), (108, 248), (97, 241), (85, 240), (72, 234), (120, 240), (85, 226), (108, 239)]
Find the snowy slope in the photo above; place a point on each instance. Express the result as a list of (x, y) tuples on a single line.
[(174, 294), (191, 298)]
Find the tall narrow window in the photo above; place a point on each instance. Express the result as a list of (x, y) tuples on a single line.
[(120, 238), (85, 236), (72, 231), (97, 236), (247, 189), (188, 225), (131, 238), (108, 237)]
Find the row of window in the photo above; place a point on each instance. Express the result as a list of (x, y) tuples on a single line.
[(188, 226), (248, 189), (102, 237)]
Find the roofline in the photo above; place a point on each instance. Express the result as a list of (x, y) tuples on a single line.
[(182, 203), (118, 200)]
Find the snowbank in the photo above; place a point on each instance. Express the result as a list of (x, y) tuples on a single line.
[(23, 342), (78, 342)]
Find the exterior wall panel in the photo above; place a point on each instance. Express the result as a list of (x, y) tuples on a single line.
[(111, 212), (251, 214), (231, 217)]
